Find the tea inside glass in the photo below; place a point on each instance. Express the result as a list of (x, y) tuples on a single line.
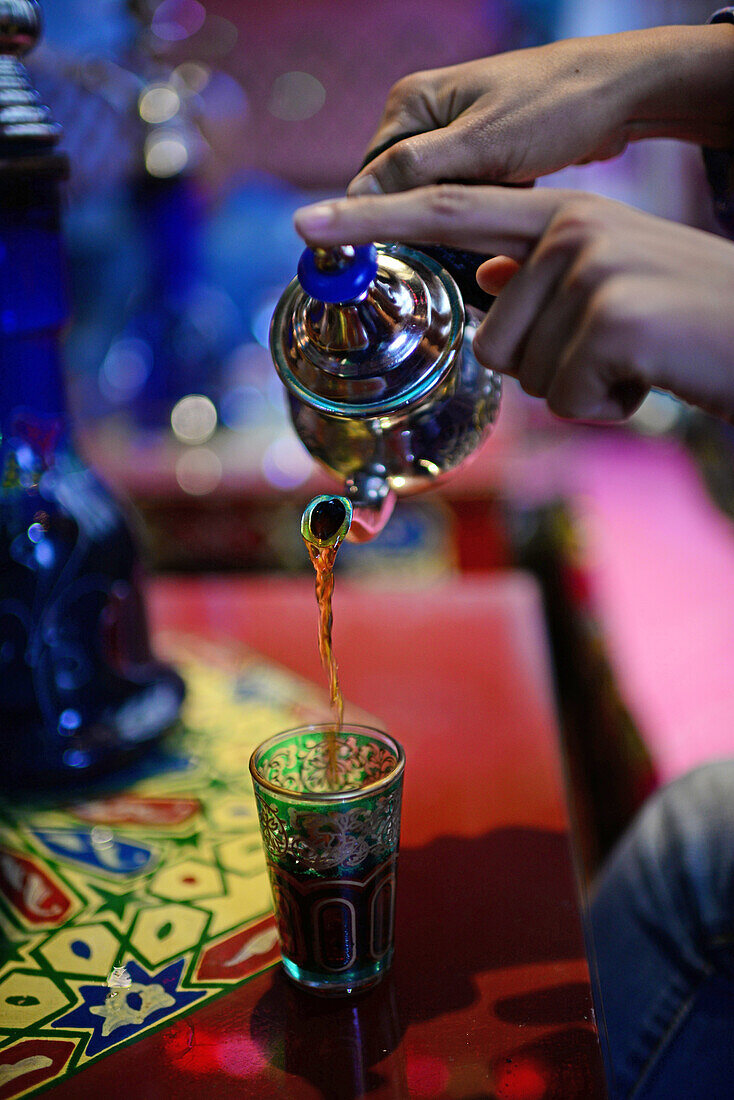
[(331, 839)]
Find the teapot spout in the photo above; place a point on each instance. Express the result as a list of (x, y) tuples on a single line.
[(328, 520), (372, 502)]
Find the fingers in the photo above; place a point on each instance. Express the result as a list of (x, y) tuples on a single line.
[(412, 107), (586, 353), (483, 219), (417, 105), (569, 326), (566, 321), (445, 153), (605, 370), (504, 332), (494, 275), (543, 349), (587, 386)]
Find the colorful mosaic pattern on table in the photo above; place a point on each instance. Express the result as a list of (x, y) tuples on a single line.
[(124, 909)]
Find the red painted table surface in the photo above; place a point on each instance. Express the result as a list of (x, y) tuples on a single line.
[(489, 994)]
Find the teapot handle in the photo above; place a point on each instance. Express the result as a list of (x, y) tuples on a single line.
[(461, 263)]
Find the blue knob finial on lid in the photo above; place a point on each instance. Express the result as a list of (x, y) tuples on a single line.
[(339, 274)]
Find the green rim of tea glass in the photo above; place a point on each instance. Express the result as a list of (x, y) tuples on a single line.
[(368, 790)]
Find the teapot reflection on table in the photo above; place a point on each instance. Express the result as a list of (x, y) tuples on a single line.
[(374, 346)]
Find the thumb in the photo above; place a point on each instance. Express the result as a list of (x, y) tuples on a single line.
[(494, 275)]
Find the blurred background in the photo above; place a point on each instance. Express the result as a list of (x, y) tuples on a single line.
[(195, 128)]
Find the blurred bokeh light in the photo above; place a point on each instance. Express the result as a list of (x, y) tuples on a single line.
[(158, 103), (194, 419), (296, 97), (198, 471)]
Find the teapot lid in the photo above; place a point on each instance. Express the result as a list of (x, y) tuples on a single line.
[(364, 332)]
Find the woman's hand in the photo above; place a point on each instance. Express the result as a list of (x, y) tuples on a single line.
[(597, 302), (519, 115)]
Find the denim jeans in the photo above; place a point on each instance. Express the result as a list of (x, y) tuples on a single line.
[(662, 927)]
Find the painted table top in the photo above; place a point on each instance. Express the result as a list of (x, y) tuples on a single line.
[(142, 955)]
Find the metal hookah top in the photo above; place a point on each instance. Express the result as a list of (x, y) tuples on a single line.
[(26, 125)]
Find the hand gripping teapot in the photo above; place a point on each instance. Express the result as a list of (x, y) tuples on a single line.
[(373, 345)]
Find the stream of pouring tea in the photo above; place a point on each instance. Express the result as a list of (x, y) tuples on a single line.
[(323, 562), (322, 559)]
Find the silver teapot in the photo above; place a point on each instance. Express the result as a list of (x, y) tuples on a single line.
[(374, 346)]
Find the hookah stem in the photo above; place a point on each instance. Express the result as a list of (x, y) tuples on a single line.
[(323, 562)]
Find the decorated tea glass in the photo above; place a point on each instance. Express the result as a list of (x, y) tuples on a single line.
[(329, 809)]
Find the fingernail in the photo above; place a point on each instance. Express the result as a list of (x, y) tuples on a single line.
[(311, 218), (479, 347), (486, 355), (364, 185)]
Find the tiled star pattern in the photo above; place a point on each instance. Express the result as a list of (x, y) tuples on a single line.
[(147, 897)]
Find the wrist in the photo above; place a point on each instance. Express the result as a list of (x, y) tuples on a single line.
[(686, 90)]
